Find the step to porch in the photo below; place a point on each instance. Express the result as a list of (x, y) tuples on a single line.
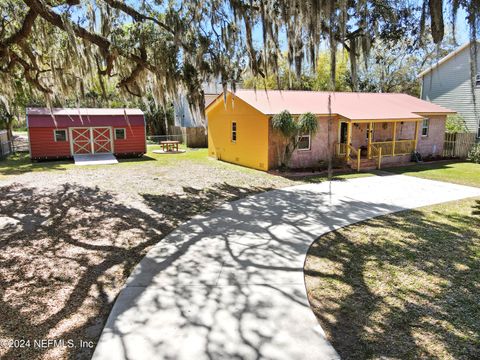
[(365, 164)]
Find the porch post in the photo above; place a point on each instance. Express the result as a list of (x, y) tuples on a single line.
[(416, 134), (349, 139), (394, 137), (370, 135)]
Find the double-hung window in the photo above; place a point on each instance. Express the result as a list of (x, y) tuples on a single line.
[(477, 80), (425, 127)]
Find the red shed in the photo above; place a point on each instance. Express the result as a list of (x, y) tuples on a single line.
[(62, 133)]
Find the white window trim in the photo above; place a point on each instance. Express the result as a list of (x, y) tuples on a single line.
[(233, 131), (309, 142), (124, 133), (55, 135), (423, 127), (477, 80)]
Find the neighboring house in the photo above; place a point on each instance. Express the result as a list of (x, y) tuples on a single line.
[(184, 117), (240, 130), (62, 133), (449, 83)]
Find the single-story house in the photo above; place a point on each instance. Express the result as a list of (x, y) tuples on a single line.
[(63, 133), (366, 128)]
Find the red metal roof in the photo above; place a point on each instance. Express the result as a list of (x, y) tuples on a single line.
[(351, 105), (78, 117)]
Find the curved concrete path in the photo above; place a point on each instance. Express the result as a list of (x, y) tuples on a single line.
[(230, 284)]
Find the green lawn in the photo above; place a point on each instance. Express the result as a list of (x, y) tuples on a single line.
[(20, 163), (464, 173), (402, 286), (406, 285)]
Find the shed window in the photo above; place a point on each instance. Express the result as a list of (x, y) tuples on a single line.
[(120, 134), (60, 135), (425, 126), (234, 131), (304, 142), (477, 80)]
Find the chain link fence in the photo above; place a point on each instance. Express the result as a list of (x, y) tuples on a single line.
[(8, 147)]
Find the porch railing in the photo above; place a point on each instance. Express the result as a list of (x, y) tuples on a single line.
[(398, 147), (377, 153)]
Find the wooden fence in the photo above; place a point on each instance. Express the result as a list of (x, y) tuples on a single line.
[(458, 144), (194, 137)]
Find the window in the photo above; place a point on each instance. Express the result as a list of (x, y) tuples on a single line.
[(60, 135), (303, 142), (477, 80), (234, 131), (120, 134), (425, 125)]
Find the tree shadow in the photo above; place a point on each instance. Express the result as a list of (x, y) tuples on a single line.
[(66, 253), (230, 283), (410, 295), (20, 163)]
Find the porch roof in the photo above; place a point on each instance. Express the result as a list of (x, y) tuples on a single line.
[(350, 105)]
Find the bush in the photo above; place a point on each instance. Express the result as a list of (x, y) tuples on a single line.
[(474, 154), (455, 123)]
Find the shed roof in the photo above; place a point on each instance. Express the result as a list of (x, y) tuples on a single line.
[(83, 111), (69, 117), (351, 105)]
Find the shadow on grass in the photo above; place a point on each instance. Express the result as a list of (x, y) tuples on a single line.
[(20, 163), (412, 294), (134, 160), (65, 254)]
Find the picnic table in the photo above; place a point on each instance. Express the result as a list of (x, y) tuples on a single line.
[(169, 145)]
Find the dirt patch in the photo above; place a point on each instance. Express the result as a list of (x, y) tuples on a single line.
[(70, 238)]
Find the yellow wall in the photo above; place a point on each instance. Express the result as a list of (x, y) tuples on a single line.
[(251, 147)]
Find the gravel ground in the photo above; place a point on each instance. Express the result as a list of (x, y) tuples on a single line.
[(70, 237)]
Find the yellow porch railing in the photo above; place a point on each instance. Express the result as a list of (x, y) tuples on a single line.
[(404, 147), (393, 148), (377, 153)]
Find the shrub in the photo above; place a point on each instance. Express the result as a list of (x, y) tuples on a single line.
[(455, 123), (474, 154)]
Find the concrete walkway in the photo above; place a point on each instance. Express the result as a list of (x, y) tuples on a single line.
[(230, 285)]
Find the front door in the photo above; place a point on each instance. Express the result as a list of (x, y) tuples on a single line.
[(343, 132), (342, 138), (91, 140)]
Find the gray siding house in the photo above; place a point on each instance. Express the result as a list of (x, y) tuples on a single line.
[(182, 113), (448, 83)]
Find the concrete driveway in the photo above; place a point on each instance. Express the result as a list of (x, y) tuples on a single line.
[(230, 284)]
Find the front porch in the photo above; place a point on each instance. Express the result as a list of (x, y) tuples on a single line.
[(367, 143)]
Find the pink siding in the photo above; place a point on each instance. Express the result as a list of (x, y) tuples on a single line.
[(304, 158), (431, 145)]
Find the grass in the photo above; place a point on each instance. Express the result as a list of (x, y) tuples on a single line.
[(464, 173), (20, 163), (403, 286)]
